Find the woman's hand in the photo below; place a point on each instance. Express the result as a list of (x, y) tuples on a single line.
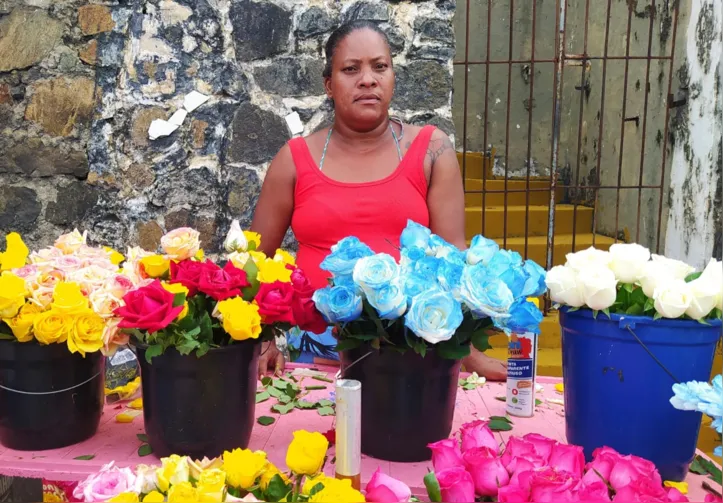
[(271, 357), (485, 366)]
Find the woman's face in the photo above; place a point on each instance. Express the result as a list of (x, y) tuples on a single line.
[(362, 79)]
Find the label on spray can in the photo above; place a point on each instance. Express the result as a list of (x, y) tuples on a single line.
[(521, 374)]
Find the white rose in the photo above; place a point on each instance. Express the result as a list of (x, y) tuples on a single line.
[(673, 298), (235, 239), (627, 261), (654, 274), (598, 286), (675, 268), (713, 274), (704, 297), (590, 257), (562, 283)]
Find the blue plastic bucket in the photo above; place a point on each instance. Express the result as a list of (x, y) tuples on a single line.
[(616, 394)]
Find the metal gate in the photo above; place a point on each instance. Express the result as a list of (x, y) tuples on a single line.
[(590, 144)]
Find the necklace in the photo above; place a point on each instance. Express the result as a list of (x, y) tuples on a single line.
[(394, 135)]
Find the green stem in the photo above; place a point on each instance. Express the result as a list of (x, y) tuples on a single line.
[(297, 488)]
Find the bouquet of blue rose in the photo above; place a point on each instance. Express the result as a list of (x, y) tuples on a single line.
[(436, 297)]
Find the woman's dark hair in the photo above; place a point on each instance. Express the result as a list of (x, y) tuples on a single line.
[(342, 32)]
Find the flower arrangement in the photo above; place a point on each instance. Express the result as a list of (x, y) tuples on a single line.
[(702, 397), (437, 297), (628, 279), (537, 468), (193, 304), (63, 294), (238, 475)]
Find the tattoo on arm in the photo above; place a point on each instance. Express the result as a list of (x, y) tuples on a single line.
[(437, 147)]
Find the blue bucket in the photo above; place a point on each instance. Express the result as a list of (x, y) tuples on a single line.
[(616, 394)]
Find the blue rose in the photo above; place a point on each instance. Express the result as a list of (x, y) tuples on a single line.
[(373, 272), (415, 235), (484, 294), (524, 317), (427, 268), (390, 301), (344, 256), (482, 250), (410, 256), (338, 304), (507, 266), (414, 284), (449, 276), (535, 284), (434, 316)]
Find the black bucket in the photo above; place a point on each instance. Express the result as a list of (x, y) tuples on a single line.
[(200, 407), (407, 401), (49, 397)]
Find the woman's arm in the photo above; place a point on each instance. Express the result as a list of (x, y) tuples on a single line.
[(445, 197), (276, 202)]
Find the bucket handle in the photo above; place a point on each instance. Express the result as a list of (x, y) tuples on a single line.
[(652, 355), (49, 392)]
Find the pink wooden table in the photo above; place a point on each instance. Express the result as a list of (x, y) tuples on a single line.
[(118, 441)]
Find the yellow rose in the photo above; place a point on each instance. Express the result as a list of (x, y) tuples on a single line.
[(337, 491), (69, 299), (211, 484), (271, 270), (115, 257), (239, 259), (311, 482), (154, 497), (126, 497), (86, 335), (155, 265), (243, 467), (22, 324), (253, 239), (52, 326), (285, 257), (269, 474), (175, 288), (71, 242), (198, 466), (199, 255), (173, 470), (12, 294), (183, 492), (15, 254), (240, 319), (181, 244), (306, 452)]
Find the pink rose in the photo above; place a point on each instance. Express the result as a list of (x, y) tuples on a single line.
[(518, 448), (630, 469), (512, 494), (604, 459), (641, 489), (486, 469), (456, 485), (549, 485), (110, 481), (543, 445), (675, 496), (477, 434), (596, 492), (712, 498), (446, 454), (384, 489), (521, 465), (568, 458)]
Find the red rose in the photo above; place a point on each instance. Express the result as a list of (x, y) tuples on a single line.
[(307, 316), (274, 301), (221, 284), (302, 285), (187, 273), (148, 308), (330, 436)]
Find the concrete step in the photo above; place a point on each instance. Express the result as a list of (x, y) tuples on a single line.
[(537, 246), (516, 192), (476, 163), (536, 217)]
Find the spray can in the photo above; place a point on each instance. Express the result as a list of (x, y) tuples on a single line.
[(521, 374), (348, 431)]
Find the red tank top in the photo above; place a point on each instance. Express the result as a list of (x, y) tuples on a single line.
[(326, 211)]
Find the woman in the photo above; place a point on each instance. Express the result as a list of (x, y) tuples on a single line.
[(365, 176)]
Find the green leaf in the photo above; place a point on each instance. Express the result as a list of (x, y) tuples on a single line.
[(694, 275), (142, 437), (192, 333), (635, 310), (274, 392), (649, 304), (282, 408), (153, 351), (85, 457), (607, 312), (266, 380), (316, 489), (203, 348), (595, 313), (145, 450), (266, 420), (480, 340), (573, 309), (322, 378), (628, 287), (303, 404), (292, 390), (537, 401), (325, 403), (179, 299), (498, 425), (279, 384), (347, 344), (187, 347), (314, 388), (452, 350), (7, 337), (252, 272), (433, 490), (501, 418), (469, 386), (325, 411), (285, 399), (657, 315), (707, 467), (277, 490), (262, 397)]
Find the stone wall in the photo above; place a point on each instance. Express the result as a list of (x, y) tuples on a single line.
[(81, 83)]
